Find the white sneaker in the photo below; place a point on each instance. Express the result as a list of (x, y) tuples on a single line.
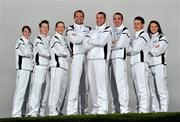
[(42, 112), (101, 112), (94, 111), (125, 111), (53, 114), (113, 111), (16, 116), (72, 113), (33, 115)]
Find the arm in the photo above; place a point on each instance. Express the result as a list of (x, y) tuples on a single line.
[(86, 45), (137, 47), (73, 37), (23, 50), (59, 49), (159, 48), (101, 40), (44, 52), (124, 40)]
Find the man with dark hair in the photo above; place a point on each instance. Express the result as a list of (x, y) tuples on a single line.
[(138, 51), (78, 11), (59, 64), (140, 19), (97, 44), (40, 83), (78, 88), (119, 85), (24, 67)]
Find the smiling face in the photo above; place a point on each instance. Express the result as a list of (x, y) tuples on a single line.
[(100, 19), (79, 18), (26, 33), (44, 29), (138, 25), (117, 20), (60, 28), (154, 28)]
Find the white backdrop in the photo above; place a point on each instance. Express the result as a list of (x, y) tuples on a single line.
[(16, 13)]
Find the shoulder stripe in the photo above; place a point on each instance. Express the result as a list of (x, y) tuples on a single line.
[(164, 40), (39, 43), (19, 45), (54, 44), (141, 33), (143, 38), (126, 35), (125, 28), (39, 38)]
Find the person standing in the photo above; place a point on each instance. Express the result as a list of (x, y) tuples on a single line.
[(75, 35), (97, 45), (60, 55), (158, 71), (24, 67), (139, 48), (40, 83), (120, 43)]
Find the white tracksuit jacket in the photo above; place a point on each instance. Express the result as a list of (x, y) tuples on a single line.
[(60, 55), (139, 60), (97, 45), (77, 102), (24, 66), (40, 83), (158, 73), (119, 85)]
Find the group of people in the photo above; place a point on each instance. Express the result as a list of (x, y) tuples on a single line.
[(91, 59)]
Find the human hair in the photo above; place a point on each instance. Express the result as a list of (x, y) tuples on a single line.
[(118, 13), (26, 27), (42, 22), (140, 19), (59, 22), (78, 11), (102, 14), (157, 23)]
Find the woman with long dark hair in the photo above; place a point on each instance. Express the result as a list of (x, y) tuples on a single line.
[(157, 64)]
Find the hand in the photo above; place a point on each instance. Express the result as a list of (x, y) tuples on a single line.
[(157, 46)]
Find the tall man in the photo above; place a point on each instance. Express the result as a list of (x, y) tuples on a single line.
[(97, 45), (75, 35), (40, 83), (119, 85), (139, 61)]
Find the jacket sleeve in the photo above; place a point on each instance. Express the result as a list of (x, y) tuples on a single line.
[(124, 40), (58, 48), (73, 37), (101, 39), (86, 45), (162, 48), (139, 44), (23, 50), (44, 52)]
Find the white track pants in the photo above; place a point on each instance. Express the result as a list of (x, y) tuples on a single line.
[(119, 86), (76, 73), (98, 85), (39, 91), (22, 80), (158, 88), (140, 78), (57, 90)]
